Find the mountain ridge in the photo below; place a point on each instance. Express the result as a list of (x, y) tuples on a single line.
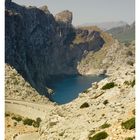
[(106, 25), (124, 33)]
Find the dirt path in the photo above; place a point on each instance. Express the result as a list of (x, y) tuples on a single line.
[(30, 110), (30, 136), (26, 109)]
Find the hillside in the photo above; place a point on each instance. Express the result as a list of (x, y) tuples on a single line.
[(17, 88), (124, 33)]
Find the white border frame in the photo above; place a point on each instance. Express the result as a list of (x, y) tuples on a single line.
[(2, 69)]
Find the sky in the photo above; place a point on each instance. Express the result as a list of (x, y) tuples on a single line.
[(89, 11)]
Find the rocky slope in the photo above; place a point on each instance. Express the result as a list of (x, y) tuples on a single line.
[(42, 47), (15, 128), (18, 89), (84, 117)]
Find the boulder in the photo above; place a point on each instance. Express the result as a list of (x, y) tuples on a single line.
[(102, 72)]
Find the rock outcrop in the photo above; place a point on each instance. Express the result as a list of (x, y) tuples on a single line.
[(64, 16), (45, 9)]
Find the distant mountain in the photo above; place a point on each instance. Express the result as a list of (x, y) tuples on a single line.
[(107, 25), (124, 33)]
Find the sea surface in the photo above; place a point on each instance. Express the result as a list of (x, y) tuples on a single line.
[(68, 89)]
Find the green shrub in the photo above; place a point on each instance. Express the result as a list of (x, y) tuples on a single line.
[(133, 83), (103, 115), (7, 114), (15, 123), (85, 91), (126, 82), (133, 111), (105, 102), (17, 118), (129, 138), (130, 62), (99, 136), (105, 125), (108, 85), (37, 122), (8, 125), (28, 121), (129, 53), (129, 124), (84, 105), (127, 43)]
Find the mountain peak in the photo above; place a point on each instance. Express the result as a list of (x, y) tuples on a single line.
[(64, 16), (45, 9)]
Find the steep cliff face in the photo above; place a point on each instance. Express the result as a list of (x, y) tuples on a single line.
[(41, 47)]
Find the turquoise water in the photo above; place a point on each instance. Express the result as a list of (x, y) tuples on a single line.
[(67, 89)]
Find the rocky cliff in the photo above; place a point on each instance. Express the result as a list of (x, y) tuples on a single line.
[(42, 47)]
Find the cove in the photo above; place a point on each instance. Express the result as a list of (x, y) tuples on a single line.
[(68, 89)]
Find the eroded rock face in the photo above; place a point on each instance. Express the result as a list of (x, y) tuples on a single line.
[(41, 47), (64, 16)]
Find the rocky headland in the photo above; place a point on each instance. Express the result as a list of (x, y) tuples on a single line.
[(40, 47)]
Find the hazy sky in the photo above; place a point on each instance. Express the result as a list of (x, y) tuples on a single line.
[(89, 11)]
